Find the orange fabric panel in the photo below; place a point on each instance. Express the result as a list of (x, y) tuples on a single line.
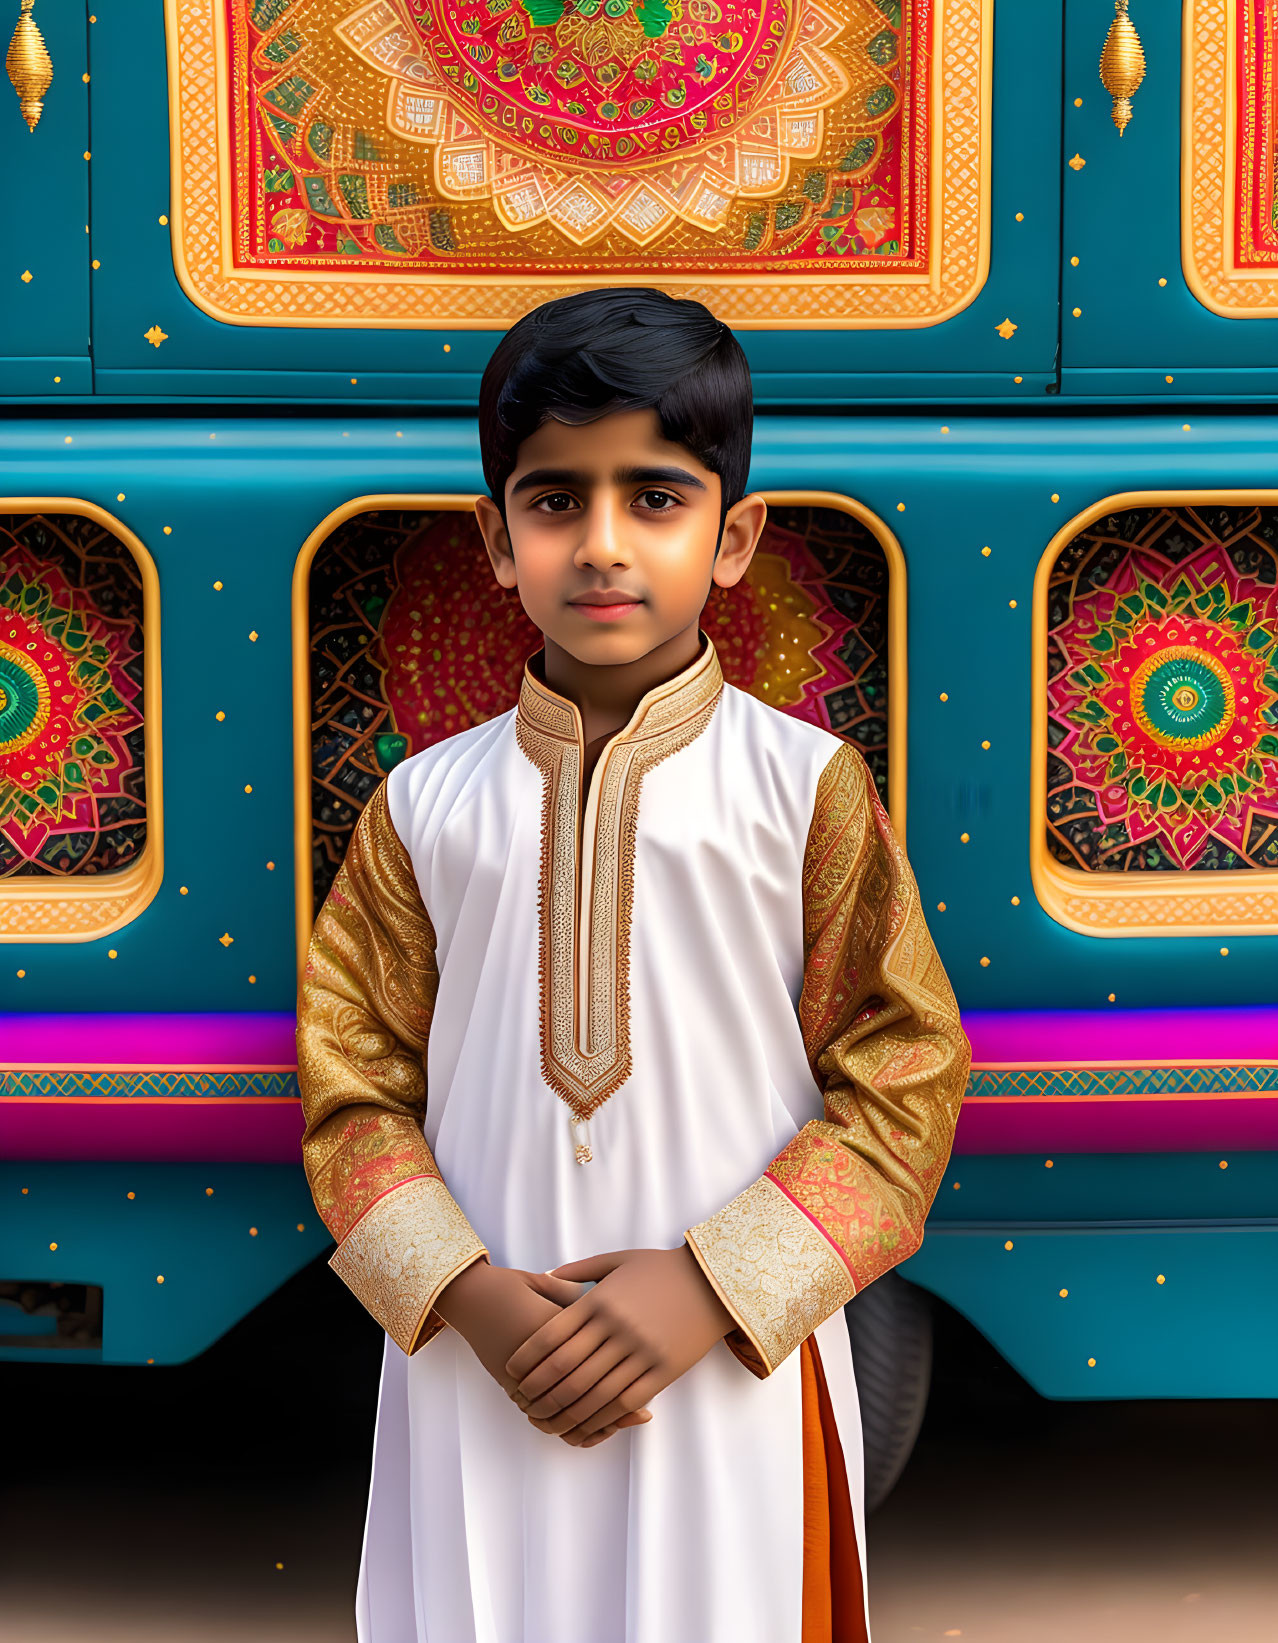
[(816, 1508), (833, 1586)]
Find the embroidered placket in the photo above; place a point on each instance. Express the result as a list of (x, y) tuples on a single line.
[(585, 993)]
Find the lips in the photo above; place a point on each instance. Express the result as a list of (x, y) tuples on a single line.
[(608, 596)]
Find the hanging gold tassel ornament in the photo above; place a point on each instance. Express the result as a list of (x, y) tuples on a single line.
[(29, 64), (1122, 64)]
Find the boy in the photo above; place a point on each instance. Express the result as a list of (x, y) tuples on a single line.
[(622, 1035)]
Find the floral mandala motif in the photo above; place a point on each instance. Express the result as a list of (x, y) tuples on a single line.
[(1171, 696), (66, 703), (591, 115)]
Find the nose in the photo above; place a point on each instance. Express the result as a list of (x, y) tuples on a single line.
[(603, 536)]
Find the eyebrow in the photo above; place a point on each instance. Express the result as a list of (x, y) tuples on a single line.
[(570, 478)]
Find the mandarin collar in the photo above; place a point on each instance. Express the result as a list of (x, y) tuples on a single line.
[(660, 709)]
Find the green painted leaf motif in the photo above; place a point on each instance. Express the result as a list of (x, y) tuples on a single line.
[(266, 12), (1268, 745), (291, 95), (814, 186), (891, 9), (1182, 590), (1154, 596), (441, 231), (654, 18), (1259, 639), (282, 47), (859, 155), (543, 13), (1212, 795), (1104, 640), (1240, 614), (354, 189), (319, 199), (278, 180), (880, 101), (882, 49)]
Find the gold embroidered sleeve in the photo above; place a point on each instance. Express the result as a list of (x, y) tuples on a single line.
[(846, 1199), (363, 1017)]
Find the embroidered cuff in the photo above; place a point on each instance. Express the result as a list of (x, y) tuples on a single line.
[(773, 1269), (401, 1253)]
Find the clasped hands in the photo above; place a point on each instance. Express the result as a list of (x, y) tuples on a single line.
[(583, 1364)]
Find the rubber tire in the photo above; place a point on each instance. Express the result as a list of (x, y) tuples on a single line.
[(890, 1325)]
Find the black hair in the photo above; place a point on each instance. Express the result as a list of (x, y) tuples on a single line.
[(620, 349)]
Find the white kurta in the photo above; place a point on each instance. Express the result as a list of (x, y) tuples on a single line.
[(688, 1529)]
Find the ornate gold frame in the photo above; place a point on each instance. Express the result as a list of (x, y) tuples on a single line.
[(201, 215), (63, 910), (897, 661), (1197, 903), (1209, 139)]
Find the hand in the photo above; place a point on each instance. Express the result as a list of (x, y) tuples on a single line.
[(651, 1315), (495, 1308)]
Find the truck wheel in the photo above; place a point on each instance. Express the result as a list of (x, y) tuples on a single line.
[(890, 1324)]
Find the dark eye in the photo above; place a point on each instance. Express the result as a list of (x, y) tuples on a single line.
[(659, 501), (557, 501)]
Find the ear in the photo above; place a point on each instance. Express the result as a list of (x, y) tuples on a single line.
[(742, 529), (496, 537)]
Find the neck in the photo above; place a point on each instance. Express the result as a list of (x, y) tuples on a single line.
[(606, 696)]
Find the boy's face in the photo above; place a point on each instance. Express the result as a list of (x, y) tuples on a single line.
[(614, 507)]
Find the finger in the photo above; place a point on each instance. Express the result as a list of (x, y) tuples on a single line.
[(560, 1290), (603, 1395), (551, 1335), (596, 1437), (593, 1266), (578, 1382), (540, 1377), (589, 1443), (640, 1418), (627, 1400)]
